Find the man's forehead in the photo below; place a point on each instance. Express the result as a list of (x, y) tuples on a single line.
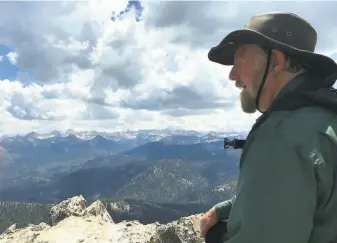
[(246, 48), (240, 50)]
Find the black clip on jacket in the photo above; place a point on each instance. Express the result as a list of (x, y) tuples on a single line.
[(235, 143)]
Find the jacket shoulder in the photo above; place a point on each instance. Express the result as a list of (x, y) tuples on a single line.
[(305, 122)]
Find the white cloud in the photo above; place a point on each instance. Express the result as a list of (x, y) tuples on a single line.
[(12, 57), (102, 70)]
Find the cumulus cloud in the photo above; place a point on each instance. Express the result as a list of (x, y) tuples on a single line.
[(181, 97), (38, 38), (183, 18), (130, 65)]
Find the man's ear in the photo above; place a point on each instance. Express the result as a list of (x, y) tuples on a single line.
[(277, 62)]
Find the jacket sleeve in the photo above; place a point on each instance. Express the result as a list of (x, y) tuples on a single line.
[(276, 192), (222, 209)]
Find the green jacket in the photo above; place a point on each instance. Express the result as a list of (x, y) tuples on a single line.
[(287, 186)]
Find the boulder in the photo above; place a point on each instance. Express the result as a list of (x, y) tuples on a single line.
[(72, 206), (185, 229)]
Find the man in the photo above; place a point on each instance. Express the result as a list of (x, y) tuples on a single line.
[(287, 186)]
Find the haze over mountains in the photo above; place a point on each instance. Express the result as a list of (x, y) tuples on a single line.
[(152, 171)]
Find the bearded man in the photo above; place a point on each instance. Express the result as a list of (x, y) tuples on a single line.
[(287, 186)]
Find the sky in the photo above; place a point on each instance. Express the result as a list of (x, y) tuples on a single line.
[(116, 65)]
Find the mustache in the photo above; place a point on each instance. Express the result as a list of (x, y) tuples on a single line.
[(239, 85)]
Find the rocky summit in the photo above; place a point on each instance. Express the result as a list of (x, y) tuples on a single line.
[(73, 221)]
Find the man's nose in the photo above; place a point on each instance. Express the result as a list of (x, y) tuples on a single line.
[(232, 74)]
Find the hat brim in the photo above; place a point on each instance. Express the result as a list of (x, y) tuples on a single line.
[(225, 51)]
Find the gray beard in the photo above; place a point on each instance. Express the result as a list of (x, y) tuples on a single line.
[(247, 100)]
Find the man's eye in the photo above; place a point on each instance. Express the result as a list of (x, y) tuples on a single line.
[(238, 61)]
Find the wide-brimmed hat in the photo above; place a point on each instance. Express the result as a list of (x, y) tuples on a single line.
[(283, 31)]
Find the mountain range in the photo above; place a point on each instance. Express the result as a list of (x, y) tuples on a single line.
[(149, 167)]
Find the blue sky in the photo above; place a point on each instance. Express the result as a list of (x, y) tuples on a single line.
[(7, 70), (11, 71), (137, 5)]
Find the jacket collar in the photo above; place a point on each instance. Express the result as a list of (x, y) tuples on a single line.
[(291, 86)]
